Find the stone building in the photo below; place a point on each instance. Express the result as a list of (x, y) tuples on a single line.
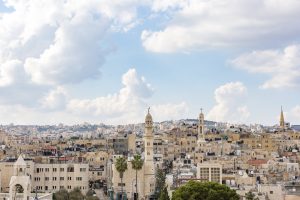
[(146, 176), (46, 177)]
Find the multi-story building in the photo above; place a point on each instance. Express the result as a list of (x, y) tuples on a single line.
[(209, 172), (46, 177)]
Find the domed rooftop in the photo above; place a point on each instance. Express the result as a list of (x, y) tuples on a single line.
[(148, 116), (148, 119)]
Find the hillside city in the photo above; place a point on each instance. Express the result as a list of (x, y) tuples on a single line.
[(43, 160)]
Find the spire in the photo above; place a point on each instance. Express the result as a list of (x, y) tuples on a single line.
[(281, 122)]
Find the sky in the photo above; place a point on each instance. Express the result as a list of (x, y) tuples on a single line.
[(107, 61)]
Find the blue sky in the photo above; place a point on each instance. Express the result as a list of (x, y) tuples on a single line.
[(107, 61)]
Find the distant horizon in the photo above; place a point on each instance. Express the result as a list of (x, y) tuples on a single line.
[(82, 123)]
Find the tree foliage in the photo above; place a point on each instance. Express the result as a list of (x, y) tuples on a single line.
[(121, 165), (90, 195), (75, 194), (137, 164), (61, 195), (195, 190), (160, 182), (164, 194), (250, 196)]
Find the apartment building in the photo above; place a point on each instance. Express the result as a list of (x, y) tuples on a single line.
[(209, 172), (46, 177)]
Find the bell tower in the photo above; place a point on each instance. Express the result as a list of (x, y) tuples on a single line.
[(149, 171), (201, 125), (148, 137), (281, 122), (20, 185)]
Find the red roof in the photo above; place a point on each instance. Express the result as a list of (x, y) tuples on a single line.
[(257, 162)]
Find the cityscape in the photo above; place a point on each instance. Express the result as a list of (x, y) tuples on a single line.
[(149, 100)]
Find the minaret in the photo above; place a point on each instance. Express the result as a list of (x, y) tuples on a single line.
[(281, 122), (149, 173), (201, 126), (148, 137)]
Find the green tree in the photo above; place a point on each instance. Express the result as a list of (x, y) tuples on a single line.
[(61, 195), (76, 194), (160, 182), (121, 166), (137, 164), (250, 196), (195, 190), (164, 194), (90, 195)]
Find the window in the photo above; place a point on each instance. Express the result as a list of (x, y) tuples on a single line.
[(61, 187), (78, 178), (62, 169), (46, 178), (54, 169), (54, 187), (69, 178), (120, 184), (46, 187), (54, 178), (82, 169), (70, 169), (69, 187), (37, 178), (46, 169), (61, 178)]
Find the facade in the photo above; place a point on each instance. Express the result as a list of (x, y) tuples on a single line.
[(48, 178), (209, 172)]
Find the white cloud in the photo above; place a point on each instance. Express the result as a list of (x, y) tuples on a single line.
[(45, 44), (20, 114), (230, 103), (165, 5), (130, 98), (283, 66), (170, 111), (11, 72), (294, 115), (209, 24), (55, 100), (127, 105)]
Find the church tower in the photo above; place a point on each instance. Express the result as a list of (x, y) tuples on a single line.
[(201, 126), (149, 162), (20, 181), (281, 122)]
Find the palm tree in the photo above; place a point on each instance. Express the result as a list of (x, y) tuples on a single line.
[(121, 166), (137, 164)]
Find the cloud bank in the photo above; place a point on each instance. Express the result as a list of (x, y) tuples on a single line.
[(207, 24), (230, 103)]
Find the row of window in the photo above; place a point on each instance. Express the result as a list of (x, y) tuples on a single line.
[(54, 187), (55, 178), (69, 169)]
